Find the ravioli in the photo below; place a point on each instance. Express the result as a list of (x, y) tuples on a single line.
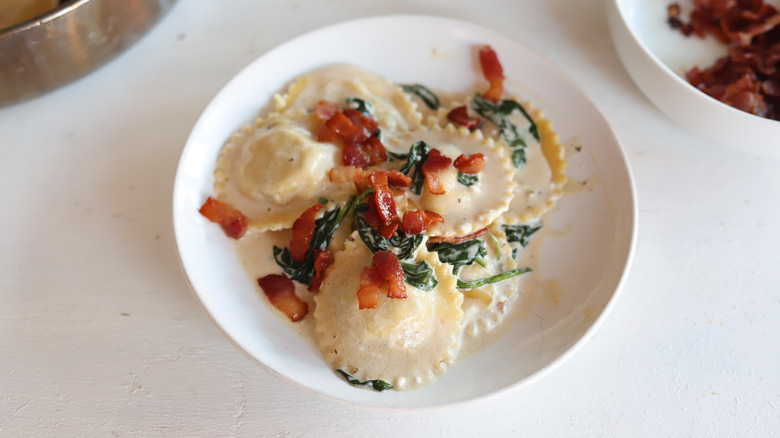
[(486, 306), (394, 110), (465, 208), (406, 342), (541, 179), (274, 170)]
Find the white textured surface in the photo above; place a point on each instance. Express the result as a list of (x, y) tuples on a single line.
[(101, 336)]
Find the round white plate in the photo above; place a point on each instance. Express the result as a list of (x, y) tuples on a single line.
[(593, 228), (657, 57)]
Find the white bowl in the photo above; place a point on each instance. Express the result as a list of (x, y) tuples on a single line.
[(657, 58), (588, 253)]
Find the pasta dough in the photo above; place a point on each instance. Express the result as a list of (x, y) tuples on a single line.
[(393, 109), (406, 342), (274, 170), (465, 208)]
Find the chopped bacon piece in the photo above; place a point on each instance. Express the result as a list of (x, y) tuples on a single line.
[(415, 222), (471, 164), (321, 262), (390, 269), (458, 239), (360, 178), (303, 230), (396, 178), (493, 72), (374, 150), (361, 147), (460, 116), (368, 294), (232, 221), (344, 174), (435, 163), (353, 155), (342, 125), (323, 112), (280, 291), (364, 127), (375, 221), (751, 29), (383, 198)]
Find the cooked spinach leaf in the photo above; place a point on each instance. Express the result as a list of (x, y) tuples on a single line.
[(397, 156), (361, 105), (324, 228), (405, 246), (420, 275), (373, 240), (418, 153), (460, 254), (378, 385), (497, 243), (498, 113), (431, 100), (494, 279), (518, 158), (468, 179), (520, 233)]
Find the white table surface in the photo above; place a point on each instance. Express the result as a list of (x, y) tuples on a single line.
[(100, 334)]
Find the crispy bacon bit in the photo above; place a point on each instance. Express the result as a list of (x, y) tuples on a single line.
[(383, 198), (749, 75), (394, 178), (493, 72), (368, 294), (415, 222), (374, 150), (471, 164), (458, 239), (361, 148), (435, 163), (376, 222), (232, 221), (323, 112), (321, 262), (303, 230), (354, 155), (280, 291), (389, 267), (344, 174), (460, 116), (364, 127)]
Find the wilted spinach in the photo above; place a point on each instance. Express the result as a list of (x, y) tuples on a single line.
[(459, 254), (418, 153), (324, 228), (498, 113), (520, 233), (361, 105), (494, 279), (378, 385), (468, 179), (429, 97), (420, 275)]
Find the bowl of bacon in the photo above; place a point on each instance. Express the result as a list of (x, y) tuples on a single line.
[(712, 66)]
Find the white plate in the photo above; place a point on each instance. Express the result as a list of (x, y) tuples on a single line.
[(657, 58), (593, 230)]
